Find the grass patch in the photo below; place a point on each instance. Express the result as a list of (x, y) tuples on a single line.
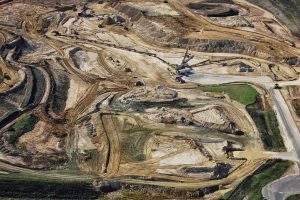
[(242, 93), (133, 145), (253, 184), (296, 106), (30, 187), (23, 125), (294, 197), (267, 124), (273, 131)]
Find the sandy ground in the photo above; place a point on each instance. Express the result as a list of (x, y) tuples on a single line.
[(14, 76), (143, 67), (212, 68), (12, 159), (154, 9), (210, 115), (160, 150), (167, 171), (117, 39), (177, 57), (216, 149), (39, 139), (68, 24), (280, 30), (83, 140), (185, 158), (154, 72), (88, 62), (76, 91), (193, 95)]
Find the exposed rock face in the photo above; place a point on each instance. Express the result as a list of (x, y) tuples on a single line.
[(155, 94), (105, 186), (218, 46), (18, 46), (293, 61), (112, 20), (285, 11), (171, 116), (233, 21), (146, 28), (166, 36), (57, 102), (132, 13)]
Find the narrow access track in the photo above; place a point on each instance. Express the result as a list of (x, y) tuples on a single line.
[(114, 145)]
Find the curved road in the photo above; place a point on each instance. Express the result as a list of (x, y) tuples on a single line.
[(284, 187)]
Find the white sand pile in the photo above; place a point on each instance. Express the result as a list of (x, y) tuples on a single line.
[(76, 91), (158, 93), (189, 157), (210, 115), (160, 150)]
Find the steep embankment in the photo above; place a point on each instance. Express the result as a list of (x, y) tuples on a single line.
[(285, 11), (168, 36)]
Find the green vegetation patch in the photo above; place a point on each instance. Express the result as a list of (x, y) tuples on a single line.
[(23, 125), (294, 197), (296, 106), (242, 93), (18, 186), (253, 184), (133, 145), (267, 124)]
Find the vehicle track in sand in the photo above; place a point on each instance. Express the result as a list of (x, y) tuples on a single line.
[(114, 145)]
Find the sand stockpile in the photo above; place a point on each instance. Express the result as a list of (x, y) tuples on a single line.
[(189, 157), (214, 117), (171, 116), (151, 94), (210, 115), (160, 150)]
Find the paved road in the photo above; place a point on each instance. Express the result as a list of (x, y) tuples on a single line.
[(282, 188)]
